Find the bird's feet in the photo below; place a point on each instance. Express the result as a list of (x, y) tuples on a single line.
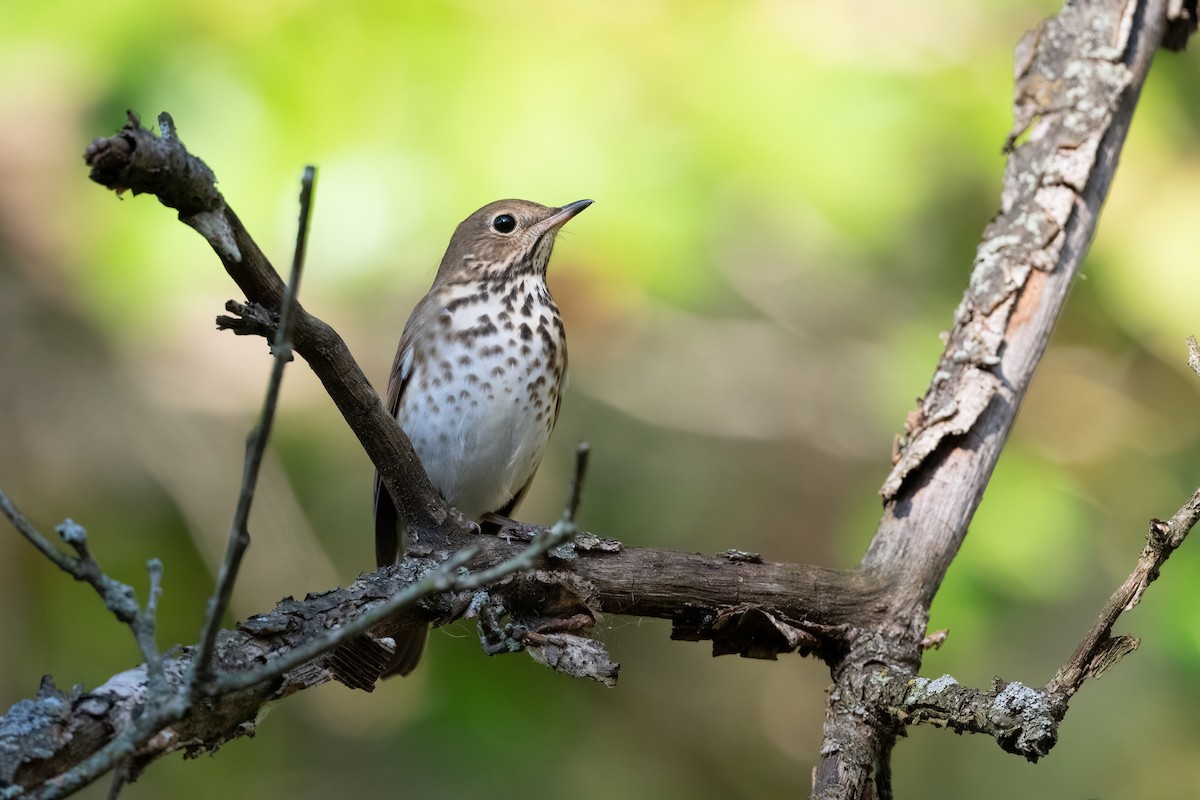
[(460, 519), (507, 528)]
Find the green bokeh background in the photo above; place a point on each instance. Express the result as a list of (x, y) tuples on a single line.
[(788, 200)]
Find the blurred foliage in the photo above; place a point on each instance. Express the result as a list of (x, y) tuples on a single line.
[(788, 199)]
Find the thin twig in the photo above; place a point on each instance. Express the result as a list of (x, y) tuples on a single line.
[(24, 527), (120, 778), (1025, 720), (582, 451), (118, 597), (441, 579), (256, 445), (1099, 650), (145, 628), (447, 577)]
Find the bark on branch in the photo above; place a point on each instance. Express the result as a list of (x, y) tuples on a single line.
[(1078, 77)]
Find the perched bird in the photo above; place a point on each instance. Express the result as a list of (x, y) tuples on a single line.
[(478, 376)]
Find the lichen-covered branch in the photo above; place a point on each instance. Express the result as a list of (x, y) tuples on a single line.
[(52, 745), (44, 736), (1023, 719), (1078, 77)]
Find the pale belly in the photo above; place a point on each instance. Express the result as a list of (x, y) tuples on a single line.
[(480, 415)]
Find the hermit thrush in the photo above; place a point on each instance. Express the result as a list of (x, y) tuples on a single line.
[(478, 376)]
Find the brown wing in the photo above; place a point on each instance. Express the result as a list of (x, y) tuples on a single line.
[(389, 525)]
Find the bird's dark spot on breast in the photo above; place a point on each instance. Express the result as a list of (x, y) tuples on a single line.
[(459, 302), (526, 332)]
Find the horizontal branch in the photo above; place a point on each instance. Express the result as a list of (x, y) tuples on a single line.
[(589, 578)]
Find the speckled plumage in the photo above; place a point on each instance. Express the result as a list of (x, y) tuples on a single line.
[(478, 375)]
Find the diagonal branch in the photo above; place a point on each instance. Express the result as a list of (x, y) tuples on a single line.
[(256, 446), (138, 161), (1078, 78), (1099, 649), (1023, 719)]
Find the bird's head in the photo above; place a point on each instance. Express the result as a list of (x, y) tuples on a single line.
[(505, 238)]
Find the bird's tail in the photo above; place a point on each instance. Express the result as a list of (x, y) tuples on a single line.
[(410, 646)]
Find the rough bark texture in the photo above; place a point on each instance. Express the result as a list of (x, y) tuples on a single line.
[(1078, 76)]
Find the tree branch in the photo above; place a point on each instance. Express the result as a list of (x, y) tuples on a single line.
[(256, 447), (151, 708), (1078, 77), (138, 161)]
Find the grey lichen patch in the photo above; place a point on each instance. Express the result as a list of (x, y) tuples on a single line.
[(29, 729), (744, 556), (589, 541), (574, 656), (213, 226), (1070, 81), (941, 684), (923, 693), (1035, 730)]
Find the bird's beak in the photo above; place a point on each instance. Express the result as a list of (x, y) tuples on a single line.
[(560, 216)]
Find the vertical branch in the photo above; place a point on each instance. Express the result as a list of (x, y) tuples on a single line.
[(256, 445)]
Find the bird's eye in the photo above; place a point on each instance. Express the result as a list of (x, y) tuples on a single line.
[(504, 223)]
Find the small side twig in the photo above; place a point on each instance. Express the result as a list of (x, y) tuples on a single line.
[(145, 627), (249, 319), (1099, 649), (582, 450), (256, 445), (1023, 719), (118, 597)]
